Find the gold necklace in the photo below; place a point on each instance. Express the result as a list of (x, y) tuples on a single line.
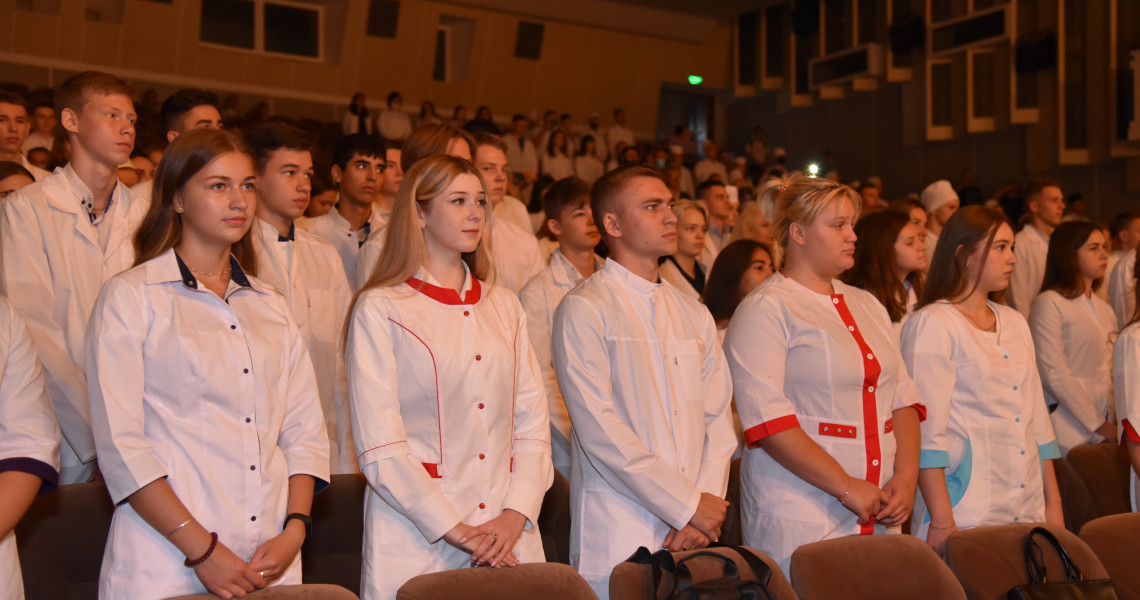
[(225, 271), (975, 321)]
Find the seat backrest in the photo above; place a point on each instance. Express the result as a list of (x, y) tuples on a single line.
[(554, 521), (990, 561), (1077, 502), (1105, 470), (631, 581), (547, 581), (732, 533), (61, 540), (333, 554), (1115, 540), (288, 592), (884, 567)]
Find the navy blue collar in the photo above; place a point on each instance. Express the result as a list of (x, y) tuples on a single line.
[(292, 234), (237, 275)]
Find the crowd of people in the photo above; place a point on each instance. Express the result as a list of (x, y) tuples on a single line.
[(459, 312)]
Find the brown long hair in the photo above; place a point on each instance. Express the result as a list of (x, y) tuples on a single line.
[(971, 228), (431, 139), (722, 290), (189, 153), (1062, 267), (875, 262)]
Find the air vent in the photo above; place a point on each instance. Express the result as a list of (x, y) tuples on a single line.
[(974, 30), (841, 67)]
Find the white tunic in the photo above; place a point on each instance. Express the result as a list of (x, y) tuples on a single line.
[(218, 396), (558, 166), (1122, 288), (830, 365), (38, 174), (1073, 338), (394, 125), (521, 154), (515, 255), (589, 168), (618, 133), (335, 229), (540, 298), (450, 423), (1126, 376), (987, 424), (54, 261), (513, 210), (1030, 247), (307, 272), (29, 436), (648, 392)]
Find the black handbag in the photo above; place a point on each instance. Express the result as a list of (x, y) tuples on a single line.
[(727, 587), (1074, 587)]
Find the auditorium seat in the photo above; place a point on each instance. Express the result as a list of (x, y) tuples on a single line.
[(554, 521), (1116, 541), (1077, 502), (547, 581), (631, 581), (1104, 469), (879, 567), (288, 592), (989, 561), (61, 540), (332, 556)]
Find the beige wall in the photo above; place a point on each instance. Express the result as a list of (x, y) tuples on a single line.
[(582, 69)]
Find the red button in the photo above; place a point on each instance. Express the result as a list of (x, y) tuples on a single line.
[(480, 405), (467, 313), (478, 357), (481, 505), (482, 456)]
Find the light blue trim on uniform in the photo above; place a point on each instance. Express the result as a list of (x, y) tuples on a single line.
[(933, 459), (1049, 451), (958, 480)]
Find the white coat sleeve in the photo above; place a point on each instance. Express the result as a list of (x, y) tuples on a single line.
[(114, 341), (1047, 445), (720, 437), (1121, 289), (1126, 375), (304, 439), (532, 471), (539, 315), (1046, 322), (756, 347), (346, 462), (927, 349), (378, 431), (25, 279), (581, 359), (29, 436), (1022, 288)]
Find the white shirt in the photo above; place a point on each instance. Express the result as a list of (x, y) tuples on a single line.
[(932, 242), (558, 166), (449, 420), (307, 272), (619, 133), (1122, 288), (1074, 338), (1113, 258), (336, 230), (54, 261), (1031, 247), (522, 159), (351, 123), (1126, 377), (38, 174), (540, 298), (144, 192), (35, 140), (709, 167), (987, 424), (512, 209), (394, 125), (515, 255), (218, 396), (29, 436), (829, 364), (589, 168), (648, 392)]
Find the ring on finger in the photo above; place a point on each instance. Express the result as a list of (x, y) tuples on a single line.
[(494, 536)]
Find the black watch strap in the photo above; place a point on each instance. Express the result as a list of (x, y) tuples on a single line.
[(308, 521)]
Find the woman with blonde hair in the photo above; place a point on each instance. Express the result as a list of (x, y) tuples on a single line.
[(204, 404), (684, 269), (448, 408), (831, 417)]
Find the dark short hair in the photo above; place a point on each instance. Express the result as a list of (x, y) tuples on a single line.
[(7, 97), (567, 193), (607, 188), (517, 118), (706, 186), (266, 138), (1121, 222), (76, 91), (9, 168), (183, 101), (1038, 185), (490, 139), (393, 96), (357, 143)]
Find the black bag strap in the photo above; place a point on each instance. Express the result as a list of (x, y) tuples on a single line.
[(760, 569), (684, 578), (1035, 560), (658, 561)]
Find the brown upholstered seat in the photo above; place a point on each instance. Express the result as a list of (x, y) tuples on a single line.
[(288, 592), (61, 540), (631, 581), (554, 521), (1077, 502), (545, 581), (1116, 541), (1104, 469), (989, 561), (332, 555), (879, 567)]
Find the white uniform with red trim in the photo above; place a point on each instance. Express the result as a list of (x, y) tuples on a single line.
[(648, 392), (988, 425), (450, 423), (1126, 376), (829, 364)]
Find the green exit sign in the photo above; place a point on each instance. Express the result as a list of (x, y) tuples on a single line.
[(696, 80)]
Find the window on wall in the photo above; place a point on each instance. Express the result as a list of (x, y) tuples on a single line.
[(270, 26)]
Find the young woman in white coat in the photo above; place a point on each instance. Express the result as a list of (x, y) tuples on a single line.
[(830, 415), (1126, 379), (683, 269), (1073, 331), (987, 439), (448, 410), (204, 403), (890, 262)]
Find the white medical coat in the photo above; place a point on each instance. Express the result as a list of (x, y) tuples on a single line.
[(336, 231), (1031, 247), (1126, 377), (1122, 288)]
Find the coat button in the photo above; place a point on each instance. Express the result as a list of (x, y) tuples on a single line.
[(467, 313), (870, 388), (253, 518), (247, 419), (482, 457), (875, 462), (253, 467), (245, 370), (481, 505), (478, 357), (233, 326), (480, 405)]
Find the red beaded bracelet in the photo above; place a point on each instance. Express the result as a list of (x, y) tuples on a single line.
[(201, 559)]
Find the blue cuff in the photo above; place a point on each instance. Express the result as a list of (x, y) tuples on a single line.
[(933, 459), (1049, 451)]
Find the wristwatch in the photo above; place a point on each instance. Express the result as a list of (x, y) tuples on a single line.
[(308, 521)]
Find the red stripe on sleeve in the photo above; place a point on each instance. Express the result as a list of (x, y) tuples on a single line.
[(921, 408), (754, 434), (1130, 432)]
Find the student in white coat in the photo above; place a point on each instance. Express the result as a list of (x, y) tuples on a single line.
[(1122, 288), (448, 411), (1126, 379), (190, 357), (941, 202), (571, 222), (987, 441), (182, 111), (1046, 206), (15, 124), (647, 388), (683, 268), (62, 237), (29, 440), (304, 268), (890, 262), (830, 415), (515, 254)]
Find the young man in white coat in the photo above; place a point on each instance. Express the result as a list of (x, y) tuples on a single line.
[(1046, 206), (514, 251), (62, 237), (15, 123), (183, 111), (304, 268), (648, 390)]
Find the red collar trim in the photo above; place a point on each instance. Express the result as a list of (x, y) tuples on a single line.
[(446, 296)]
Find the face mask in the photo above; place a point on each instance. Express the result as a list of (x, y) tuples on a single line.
[(661, 163)]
